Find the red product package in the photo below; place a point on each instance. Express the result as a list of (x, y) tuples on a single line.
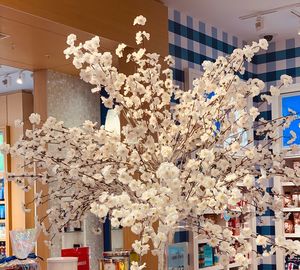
[(83, 255)]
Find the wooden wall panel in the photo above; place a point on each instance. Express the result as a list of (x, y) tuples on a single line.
[(3, 111), (14, 111), (40, 107), (27, 109)]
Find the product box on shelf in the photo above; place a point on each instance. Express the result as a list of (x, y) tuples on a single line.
[(82, 254), (178, 256), (118, 260), (292, 263)]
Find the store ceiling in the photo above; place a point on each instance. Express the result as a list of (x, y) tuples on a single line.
[(35, 43), (225, 15)]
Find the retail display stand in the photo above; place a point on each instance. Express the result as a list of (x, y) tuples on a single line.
[(288, 190), (5, 200), (289, 228)]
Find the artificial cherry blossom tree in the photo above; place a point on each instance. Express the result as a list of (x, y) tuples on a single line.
[(173, 163)]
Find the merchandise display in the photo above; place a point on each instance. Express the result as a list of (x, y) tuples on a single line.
[(292, 263), (118, 260), (21, 265)]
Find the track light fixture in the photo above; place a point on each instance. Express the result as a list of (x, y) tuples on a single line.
[(20, 78), (6, 81), (259, 24)]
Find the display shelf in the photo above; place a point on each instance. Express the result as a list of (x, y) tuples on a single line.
[(219, 267), (287, 184), (81, 231), (292, 235), (200, 240), (291, 209), (5, 202)]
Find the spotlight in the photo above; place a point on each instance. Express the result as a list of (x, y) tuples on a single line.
[(259, 24), (20, 78), (7, 81)]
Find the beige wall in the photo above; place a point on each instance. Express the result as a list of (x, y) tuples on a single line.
[(68, 99)]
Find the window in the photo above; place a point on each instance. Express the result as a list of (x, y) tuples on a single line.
[(288, 100), (246, 136)]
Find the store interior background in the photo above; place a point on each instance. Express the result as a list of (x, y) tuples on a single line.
[(33, 39)]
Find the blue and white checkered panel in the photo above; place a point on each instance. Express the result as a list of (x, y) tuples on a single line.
[(282, 57), (190, 43)]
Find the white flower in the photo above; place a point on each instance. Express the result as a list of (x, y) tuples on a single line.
[(71, 39), (170, 60), (261, 240), (248, 181), (224, 260), (120, 49), (139, 248), (263, 43), (254, 112), (139, 20), (274, 91), (235, 147), (137, 228), (207, 65), (135, 266), (19, 123), (140, 35), (35, 118), (4, 148), (240, 259), (207, 155), (167, 171), (286, 80), (166, 152)]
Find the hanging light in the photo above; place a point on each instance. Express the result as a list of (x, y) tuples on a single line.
[(20, 78)]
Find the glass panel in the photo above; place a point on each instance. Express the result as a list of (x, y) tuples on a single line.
[(1, 155), (291, 102)]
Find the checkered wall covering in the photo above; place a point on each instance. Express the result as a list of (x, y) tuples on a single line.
[(192, 41)]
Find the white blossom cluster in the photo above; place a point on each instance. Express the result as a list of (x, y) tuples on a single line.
[(173, 164)]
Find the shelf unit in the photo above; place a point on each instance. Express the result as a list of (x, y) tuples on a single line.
[(291, 209), (195, 241), (220, 267), (284, 187), (292, 235), (5, 168), (290, 158)]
